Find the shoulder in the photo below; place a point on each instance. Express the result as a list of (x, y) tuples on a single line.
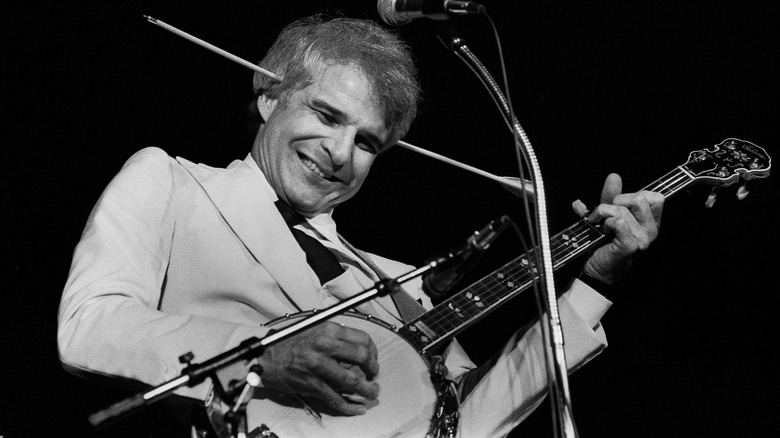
[(156, 164), (149, 162), (146, 173), (149, 156), (203, 172)]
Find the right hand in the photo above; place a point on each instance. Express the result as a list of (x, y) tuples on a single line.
[(333, 363)]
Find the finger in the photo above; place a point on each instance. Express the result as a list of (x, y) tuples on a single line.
[(656, 201), (362, 387), (603, 212), (349, 379), (617, 219), (646, 208), (638, 205), (333, 399), (613, 186), (629, 235), (356, 347), (625, 228)]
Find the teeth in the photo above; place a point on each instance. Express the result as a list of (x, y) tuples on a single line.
[(314, 168)]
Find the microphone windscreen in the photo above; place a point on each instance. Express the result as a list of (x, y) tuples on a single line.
[(388, 13)]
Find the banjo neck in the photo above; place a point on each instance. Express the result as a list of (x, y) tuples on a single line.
[(727, 163)]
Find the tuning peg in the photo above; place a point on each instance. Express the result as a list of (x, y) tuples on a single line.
[(711, 198), (742, 191)]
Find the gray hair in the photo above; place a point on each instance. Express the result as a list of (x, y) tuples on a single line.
[(305, 47)]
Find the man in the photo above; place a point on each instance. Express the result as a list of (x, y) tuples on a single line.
[(180, 257)]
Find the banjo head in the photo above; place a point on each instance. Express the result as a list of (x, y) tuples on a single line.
[(407, 399)]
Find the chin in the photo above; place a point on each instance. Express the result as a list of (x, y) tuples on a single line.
[(315, 204), (312, 210)]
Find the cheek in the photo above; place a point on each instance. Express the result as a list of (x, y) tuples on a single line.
[(362, 162)]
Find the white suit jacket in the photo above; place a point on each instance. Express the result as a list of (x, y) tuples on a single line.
[(179, 257)]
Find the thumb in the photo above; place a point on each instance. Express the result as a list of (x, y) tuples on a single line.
[(613, 186)]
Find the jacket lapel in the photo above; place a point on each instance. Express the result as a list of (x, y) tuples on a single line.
[(238, 194), (362, 274)]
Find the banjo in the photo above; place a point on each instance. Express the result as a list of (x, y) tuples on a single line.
[(416, 399)]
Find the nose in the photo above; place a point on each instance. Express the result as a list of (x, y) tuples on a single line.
[(340, 148)]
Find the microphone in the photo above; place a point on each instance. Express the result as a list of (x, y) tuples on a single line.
[(397, 12), (454, 265)]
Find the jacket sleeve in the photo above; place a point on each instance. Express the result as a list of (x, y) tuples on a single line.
[(109, 322), (504, 391)]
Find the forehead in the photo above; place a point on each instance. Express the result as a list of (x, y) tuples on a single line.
[(344, 79)]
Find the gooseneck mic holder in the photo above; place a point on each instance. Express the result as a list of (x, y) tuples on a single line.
[(560, 384), (194, 374)]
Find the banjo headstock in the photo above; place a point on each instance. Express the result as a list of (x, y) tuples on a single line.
[(728, 162)]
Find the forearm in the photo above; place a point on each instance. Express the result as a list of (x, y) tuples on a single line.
[(116, 336), (505, 390)]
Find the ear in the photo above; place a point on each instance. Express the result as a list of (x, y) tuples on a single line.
[(266, 105)]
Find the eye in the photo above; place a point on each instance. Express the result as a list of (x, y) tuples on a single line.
[(365, 144), (326, 118)]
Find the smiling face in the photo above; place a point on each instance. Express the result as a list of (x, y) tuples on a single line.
[(317, 146)]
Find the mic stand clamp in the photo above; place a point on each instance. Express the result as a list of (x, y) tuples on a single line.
[(232, 420)]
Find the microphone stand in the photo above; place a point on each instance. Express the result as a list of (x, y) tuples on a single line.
[(194, 374), (561, 397)]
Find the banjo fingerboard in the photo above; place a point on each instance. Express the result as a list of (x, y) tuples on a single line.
[(476, 301)]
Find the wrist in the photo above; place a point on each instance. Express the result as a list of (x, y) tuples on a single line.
[(603, 287)]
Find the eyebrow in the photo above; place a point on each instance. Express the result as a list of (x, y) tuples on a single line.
[(342, 117)]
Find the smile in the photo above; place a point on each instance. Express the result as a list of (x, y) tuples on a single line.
[(311, 165)]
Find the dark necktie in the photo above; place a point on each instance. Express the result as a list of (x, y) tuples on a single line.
[(322, 261)]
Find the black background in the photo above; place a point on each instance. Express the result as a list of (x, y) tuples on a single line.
[(627, 87)]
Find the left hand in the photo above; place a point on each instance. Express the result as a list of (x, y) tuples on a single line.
[(632, 218)]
